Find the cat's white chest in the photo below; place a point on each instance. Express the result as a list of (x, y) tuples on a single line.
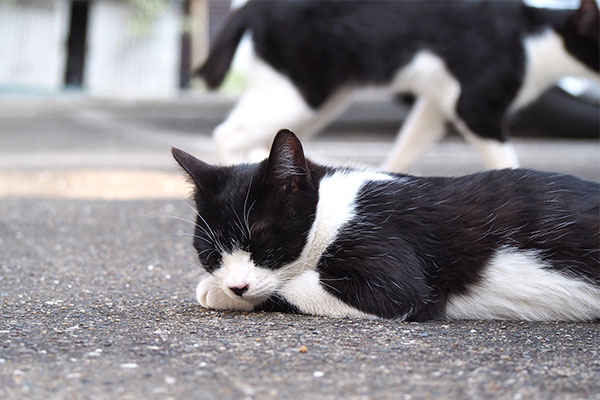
[(546, 61)]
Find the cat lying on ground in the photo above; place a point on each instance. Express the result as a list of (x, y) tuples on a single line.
[(470, 64), (289, 234)]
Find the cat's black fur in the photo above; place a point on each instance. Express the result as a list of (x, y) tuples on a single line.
[(322, 46), (443, 230), (414, 241)]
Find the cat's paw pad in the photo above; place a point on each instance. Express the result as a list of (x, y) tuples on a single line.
[(210, 295)]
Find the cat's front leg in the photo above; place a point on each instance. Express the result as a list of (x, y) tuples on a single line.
[(210, 295), (306, 293)]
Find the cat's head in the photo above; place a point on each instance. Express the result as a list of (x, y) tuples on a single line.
[(253, 219), (581, 34)]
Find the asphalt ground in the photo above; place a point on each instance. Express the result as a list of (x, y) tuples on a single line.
[(98, 275)]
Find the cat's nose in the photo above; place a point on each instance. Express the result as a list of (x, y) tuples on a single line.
[(239, 290)]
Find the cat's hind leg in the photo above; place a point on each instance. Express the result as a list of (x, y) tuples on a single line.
[(497, 154), (482, 119), (424, 125)]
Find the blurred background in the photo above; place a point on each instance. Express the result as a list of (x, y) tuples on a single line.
[(104, 84), (108, 48)]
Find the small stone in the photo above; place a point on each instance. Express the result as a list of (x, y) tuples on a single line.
[(302, 349)]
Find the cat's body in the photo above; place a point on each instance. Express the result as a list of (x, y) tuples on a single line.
[(290, 234), (471, 63)]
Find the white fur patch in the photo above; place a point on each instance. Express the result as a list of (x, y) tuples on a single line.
[(210, 294), (547, 62), (308, 295), (517, 285), (426, 75), (238, 270), (271, 102), (425, 124), (336, 207), (337, 194), (497, 155)]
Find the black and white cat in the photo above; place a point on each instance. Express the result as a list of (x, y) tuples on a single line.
[(471, 63), (288, 234)]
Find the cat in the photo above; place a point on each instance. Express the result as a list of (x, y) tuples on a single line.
[(287, 234), (471, 64)]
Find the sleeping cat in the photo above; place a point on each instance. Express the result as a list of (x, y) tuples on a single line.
[(471, 63), (288, 234)]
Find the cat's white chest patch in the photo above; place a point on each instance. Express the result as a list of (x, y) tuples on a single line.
[(337, 196), (546, 62), (518, 285), (336, 207)]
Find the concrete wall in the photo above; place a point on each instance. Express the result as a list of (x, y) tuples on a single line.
[(124, 62), (32, 44)]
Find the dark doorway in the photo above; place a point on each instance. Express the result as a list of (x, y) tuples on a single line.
[(185, 61), (76, 44)]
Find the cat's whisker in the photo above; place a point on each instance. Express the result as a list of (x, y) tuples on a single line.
[(329, 286), (210, 231), (193, 236), (181, 219), (247, 213), (345, 278)]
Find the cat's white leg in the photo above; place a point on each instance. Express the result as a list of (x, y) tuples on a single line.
[(210, 295), (270, 103), (256, 118), (308, 295), (424, 125), (496, 154)]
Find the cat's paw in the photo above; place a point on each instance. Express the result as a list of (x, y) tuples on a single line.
[(210, 295)]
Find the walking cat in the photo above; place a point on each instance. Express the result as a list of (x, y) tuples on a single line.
[(289, 234), (471, 63)]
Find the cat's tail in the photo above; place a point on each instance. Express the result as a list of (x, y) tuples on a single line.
[(215, 68)]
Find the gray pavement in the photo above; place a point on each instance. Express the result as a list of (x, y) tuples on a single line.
[(97, 300), (79, 133)]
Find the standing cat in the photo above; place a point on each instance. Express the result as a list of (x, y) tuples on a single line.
[(287, 233), (471, 63)]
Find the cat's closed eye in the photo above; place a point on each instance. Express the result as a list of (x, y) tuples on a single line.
[(208, 254)]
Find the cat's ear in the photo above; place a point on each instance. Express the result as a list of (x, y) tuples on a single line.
[(587, 18), (286, 165), (196, 169)]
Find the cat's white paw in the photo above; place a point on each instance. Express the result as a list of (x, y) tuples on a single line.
[(210, 295)]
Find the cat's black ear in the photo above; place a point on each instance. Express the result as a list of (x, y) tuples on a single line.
[(286, 165), (587, 19), (196, 169)]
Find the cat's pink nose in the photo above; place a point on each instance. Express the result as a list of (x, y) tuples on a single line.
[(239, 290)]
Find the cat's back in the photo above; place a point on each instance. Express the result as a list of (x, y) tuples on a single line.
[(372, 23), (322, 45), (516, 196), (555, 215)]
